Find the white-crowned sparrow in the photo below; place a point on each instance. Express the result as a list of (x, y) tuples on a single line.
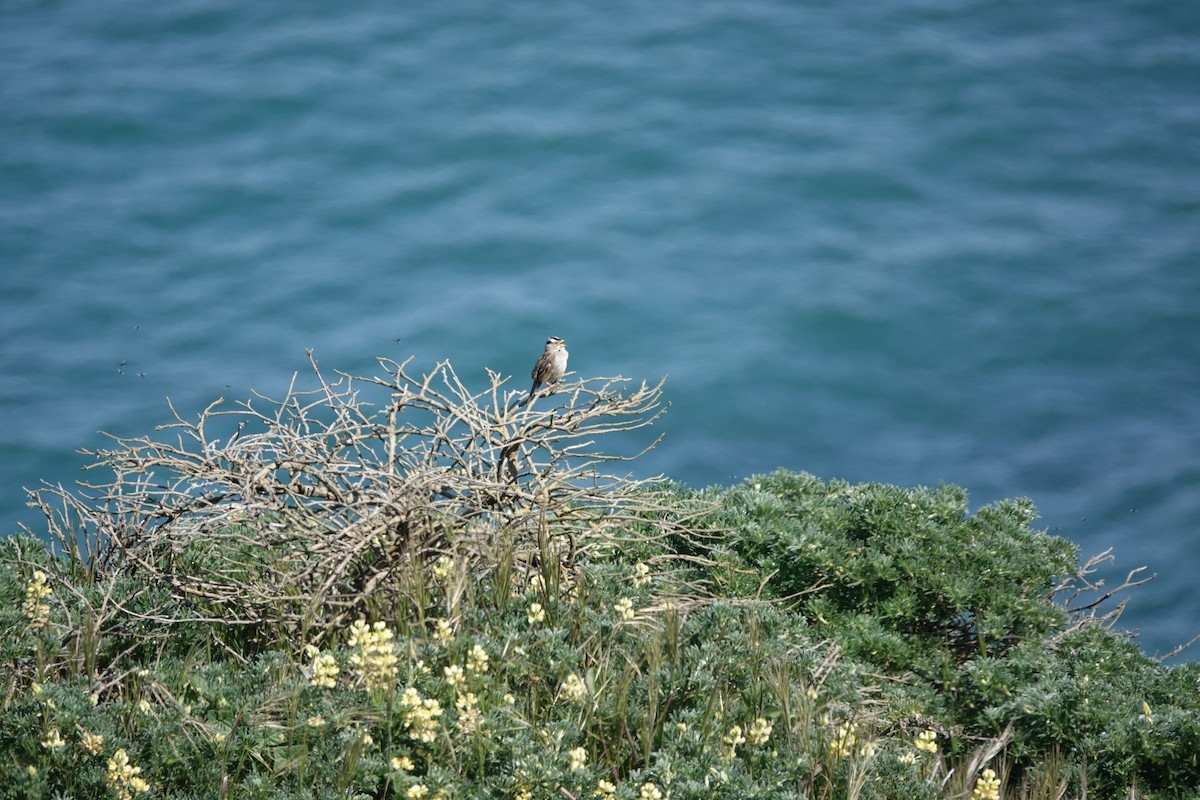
[(551, 365)]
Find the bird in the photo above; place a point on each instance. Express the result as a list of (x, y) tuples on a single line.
[(550, 365)]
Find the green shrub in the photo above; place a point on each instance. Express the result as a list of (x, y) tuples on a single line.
[(961, 612), (533, 630)]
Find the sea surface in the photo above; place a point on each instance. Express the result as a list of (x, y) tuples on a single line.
[(914, 241)]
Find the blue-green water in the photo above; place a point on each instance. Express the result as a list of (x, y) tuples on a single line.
[(907, 241)]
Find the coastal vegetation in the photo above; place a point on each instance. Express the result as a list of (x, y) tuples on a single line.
[(395, 586)]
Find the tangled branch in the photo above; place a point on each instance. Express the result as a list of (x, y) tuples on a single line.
[(1083, 596), (310, 509)]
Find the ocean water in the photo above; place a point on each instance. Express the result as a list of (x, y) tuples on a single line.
[(916, 242)]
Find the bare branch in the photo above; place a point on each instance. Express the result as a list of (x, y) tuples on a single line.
[(1082, 596), (304, 510)]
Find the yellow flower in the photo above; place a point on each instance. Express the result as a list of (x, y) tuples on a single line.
[(477, 660), (987, 787), (731, 741), (927, 741), (641, 574), (324, 670), (443, 631), (375, 658), (574, 688), (417, 792), (470, 719), (759, 732), (442, 567), (420, 715), (907, 758), (93, 743), (402, 764), (845, 741), (119, 764), (536, 614), (605, 790), (35, 606), (123, 777), (315, 721), (624, 609), (53, 740), (577, 759), (650, 792), (454, 676)]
